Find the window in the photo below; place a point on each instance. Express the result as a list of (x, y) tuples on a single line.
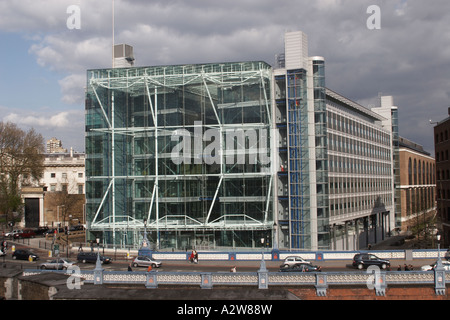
[(52, 175)]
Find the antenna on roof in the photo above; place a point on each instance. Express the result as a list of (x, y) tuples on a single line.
[(113, 64)]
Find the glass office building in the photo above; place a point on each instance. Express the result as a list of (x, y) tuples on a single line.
[(183, 151), (233, 155)]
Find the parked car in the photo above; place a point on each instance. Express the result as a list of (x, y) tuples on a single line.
[(300, 267), (25, 233), (21, 254), (12, 233), (364, 260), (143, 261), (78, 227), (57, 264), (40, 230), (53, 231), (445, 264), (293, 260), (92, 257)]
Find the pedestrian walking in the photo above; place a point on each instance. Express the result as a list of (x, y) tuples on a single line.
[(195, 257)]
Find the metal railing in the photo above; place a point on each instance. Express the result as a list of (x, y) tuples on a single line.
[(373, 278)]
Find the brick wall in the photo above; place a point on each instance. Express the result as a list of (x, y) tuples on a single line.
[(362, 293)]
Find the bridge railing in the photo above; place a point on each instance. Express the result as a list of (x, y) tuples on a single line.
[(373, 279)]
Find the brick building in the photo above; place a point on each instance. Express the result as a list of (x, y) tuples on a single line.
[(442, 146), (417, 184)]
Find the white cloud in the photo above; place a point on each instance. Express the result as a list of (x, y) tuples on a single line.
[(72, 88), (68, 126), (62, 119)]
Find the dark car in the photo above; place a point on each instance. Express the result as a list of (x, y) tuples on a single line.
[(24, 255), (52, 231), (40, 230), (364, 260), (300, 267), (25, 233), (92, 257)]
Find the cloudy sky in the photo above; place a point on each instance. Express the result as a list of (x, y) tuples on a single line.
[(43, 63)]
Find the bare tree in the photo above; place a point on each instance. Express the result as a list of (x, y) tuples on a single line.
[(21, 159)]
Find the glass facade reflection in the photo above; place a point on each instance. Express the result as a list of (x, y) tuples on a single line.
[(182, 149)]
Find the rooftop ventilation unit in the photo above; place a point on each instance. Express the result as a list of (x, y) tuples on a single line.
[(123, 56)]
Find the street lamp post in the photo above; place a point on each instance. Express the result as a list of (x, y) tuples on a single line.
[(98, 271), (439, 261), (439, 272)]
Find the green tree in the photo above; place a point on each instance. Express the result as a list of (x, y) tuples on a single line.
[(21, 161)]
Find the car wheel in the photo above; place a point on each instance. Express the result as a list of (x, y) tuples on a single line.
[(43, 267), (153, 265), (360, 266), (14, 257), (383, 266), (84, 260), (135, 265)]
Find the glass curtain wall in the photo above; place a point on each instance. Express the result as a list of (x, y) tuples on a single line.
[(321, 147), (299, 192), (181, 150)]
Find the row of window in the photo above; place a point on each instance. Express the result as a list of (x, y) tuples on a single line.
[(65, 188), (359, 203), (64, 175), (441, 137), (419, 199), (342, 164), (359, 185), (442, 156), (342, 123), (420, 172), (356, 147)]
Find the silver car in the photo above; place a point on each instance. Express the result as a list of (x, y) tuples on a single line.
[(11, 234), (445, 264), (57, 264), (292, 260), (143, 261)]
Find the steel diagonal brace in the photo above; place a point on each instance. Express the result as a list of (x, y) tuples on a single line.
[(152, 202), (101, 105), (103, 201), (210, 99), (150, 101), (214, 200)]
